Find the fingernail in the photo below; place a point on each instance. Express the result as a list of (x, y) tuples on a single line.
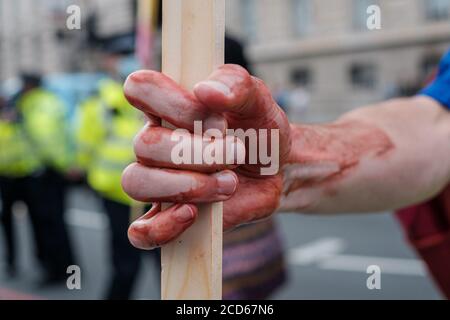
[(226, 184), (139, 225), (136, 237), (184, 214), (218, 86)]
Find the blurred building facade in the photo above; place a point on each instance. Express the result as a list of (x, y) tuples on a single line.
[(34, 35), (327, 47), (322, 45)]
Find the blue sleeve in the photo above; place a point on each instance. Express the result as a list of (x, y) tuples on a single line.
[(439, 89)]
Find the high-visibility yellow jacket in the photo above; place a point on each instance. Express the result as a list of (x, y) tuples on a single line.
[(106, 126), (90, 130), (46, 126), (17, 156)]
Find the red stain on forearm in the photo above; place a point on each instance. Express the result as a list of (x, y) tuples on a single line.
[(323, 154)]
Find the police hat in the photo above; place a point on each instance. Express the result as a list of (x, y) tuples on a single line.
[(31, 79)]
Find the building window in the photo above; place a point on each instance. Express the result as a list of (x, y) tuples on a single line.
[(437, 10), (249, 19), (363, 76), (301, 16), (360, 14), (301, 77)]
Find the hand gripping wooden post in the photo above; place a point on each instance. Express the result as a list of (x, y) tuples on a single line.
[(193, 46)]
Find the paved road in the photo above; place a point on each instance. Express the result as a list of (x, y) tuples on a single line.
[(328, 258)]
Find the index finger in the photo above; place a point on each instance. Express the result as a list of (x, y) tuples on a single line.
[(156, 94)]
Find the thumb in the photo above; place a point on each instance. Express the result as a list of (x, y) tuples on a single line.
[(245, 100), (229, 89)]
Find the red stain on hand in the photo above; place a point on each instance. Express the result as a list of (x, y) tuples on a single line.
[(158, 227), (323, 154), (310, 156)]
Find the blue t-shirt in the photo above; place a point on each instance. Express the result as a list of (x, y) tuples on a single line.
[(439, 89)]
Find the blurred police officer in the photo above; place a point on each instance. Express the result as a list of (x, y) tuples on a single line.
[(34, 158), (19, 174), (105, 131)]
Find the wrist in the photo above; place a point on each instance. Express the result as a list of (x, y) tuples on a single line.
[(322, 156)]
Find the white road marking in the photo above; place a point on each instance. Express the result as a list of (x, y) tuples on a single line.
[(316, 251), (326, 254), (394, 266)]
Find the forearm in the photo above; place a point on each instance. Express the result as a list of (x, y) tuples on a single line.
[(376, 158)]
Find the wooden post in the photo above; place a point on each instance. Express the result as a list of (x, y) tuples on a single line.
[(193, 46), (145, 29)]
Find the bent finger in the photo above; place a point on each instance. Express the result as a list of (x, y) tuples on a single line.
[(165, 185), (154, 93), (166, 148), (153, 231)]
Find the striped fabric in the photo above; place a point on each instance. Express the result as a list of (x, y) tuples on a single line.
[(253, 262)]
